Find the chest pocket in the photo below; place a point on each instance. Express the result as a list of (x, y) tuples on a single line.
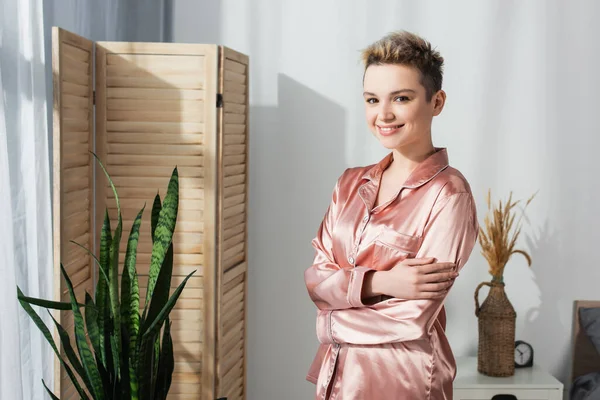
[(391, 247)]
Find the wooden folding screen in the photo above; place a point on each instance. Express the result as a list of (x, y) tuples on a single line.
[(157, 106)]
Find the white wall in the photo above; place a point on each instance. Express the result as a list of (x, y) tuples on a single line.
[(522, 87)]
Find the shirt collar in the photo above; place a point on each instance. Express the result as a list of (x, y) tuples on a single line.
[(423, 173)]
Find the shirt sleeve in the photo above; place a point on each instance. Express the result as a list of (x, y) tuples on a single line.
[(449, 236), (330, 286)]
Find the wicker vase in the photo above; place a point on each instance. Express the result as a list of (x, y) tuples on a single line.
[(495, 355)]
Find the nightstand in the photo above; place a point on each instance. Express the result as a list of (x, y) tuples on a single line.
[(526, 384)]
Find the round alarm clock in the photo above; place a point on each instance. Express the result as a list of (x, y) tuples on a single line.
[(523, 354)]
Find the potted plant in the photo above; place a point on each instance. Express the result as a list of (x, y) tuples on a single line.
[(131, 353), (496, 315)]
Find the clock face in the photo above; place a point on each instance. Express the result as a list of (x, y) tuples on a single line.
[(523, 354)]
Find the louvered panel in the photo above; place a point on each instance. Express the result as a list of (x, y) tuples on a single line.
[(233, 205), (72, 175), (152, 115)]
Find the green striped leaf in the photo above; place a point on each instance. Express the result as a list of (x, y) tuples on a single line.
[(91, 323), (53, 305), (71, 356), (154, 326), (102, 301), (156, 207), (166, 364), (95, 259), (52, 396), (130, 297), (86, 356), (163, 287), (163, 234), (145, 367), (46, 332), (113, 272)]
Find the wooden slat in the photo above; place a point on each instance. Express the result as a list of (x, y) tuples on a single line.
[(233, 200), (234, 180), (75, 137), (155, 138), (232, 297), (156, 171), (175, 69), (234, 170), (183, 49), (228, 276), (182, 82), (163, 94), (234, 190), (234, 139), (235, 149), (234, 160), (76, 53), (164, 160), (70, 101), (229, 233), (234, 98), (233, 315), (73, 74), (75, 125), (231, 65), (231, 76), (234, 118), (236, 88), (233, 221), (187, 335), (233, 283), (80, 114), (234, 241), (155, 149), (155, 127), (82, 67), (75, 89), (162, 182), (231, 337), (155, 116), (234, 129), (185, 106), (234, 108)]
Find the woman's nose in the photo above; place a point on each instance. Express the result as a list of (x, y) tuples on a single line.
[(386, 114)]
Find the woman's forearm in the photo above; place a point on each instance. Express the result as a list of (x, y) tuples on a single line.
[(374, 284)]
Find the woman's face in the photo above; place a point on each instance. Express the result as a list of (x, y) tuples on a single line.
[(397, 109)]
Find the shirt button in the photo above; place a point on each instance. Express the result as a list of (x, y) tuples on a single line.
[(366, 218), (351, 260)]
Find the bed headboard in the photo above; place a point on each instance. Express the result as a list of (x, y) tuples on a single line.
[(585, 357)]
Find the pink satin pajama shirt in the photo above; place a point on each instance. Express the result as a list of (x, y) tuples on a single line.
[(387, 348)]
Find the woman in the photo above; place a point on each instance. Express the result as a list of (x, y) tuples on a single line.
[(392, 242)]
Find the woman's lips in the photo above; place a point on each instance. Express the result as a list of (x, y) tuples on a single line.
[(388, 130)]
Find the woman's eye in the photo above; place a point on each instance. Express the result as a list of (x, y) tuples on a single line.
[(401, 98), (371, 101)]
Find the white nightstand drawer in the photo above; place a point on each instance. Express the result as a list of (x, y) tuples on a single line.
[(520, 394), (526, 384)]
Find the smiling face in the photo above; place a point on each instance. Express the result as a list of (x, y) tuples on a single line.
[(397, 108)]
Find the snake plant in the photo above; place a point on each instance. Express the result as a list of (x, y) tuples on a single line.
[(131, 353)]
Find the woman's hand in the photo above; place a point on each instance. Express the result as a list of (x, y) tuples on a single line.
[(412, 279)]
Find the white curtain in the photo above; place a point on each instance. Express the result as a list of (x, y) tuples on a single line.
[(25, 164), (25, 221)]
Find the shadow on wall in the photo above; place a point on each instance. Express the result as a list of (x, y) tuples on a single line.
[(296, 156), (544, 247)]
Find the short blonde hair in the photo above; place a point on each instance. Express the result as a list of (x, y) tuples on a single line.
[(405, 48)]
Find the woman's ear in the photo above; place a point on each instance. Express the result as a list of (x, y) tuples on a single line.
[(439, 100)]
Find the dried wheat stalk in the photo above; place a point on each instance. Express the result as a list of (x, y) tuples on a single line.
[(500, 234)]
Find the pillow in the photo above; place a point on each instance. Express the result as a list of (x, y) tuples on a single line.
[(590, 322)]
